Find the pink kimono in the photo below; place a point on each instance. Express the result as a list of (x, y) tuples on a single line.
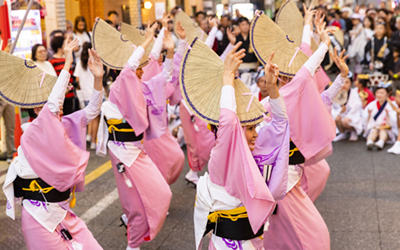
[(316, 175), (56, 152), (297, 224), (157, 90), (146, 202)]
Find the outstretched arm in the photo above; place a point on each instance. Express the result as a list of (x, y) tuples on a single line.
[(232, 41), (211, 36), (308, 18), (57, 95), (134, 60)]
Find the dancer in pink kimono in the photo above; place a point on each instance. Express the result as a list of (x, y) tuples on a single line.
[(198, 138), (51, 165), (144, 194), (233, 201), (316, 175), (297, 223), (156, 85)]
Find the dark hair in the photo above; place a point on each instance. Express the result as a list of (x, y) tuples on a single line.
[(112, 12), (388, 89), (34, 50), (363, 82), (243, 19), (85, 54), (331, 15), (371, 20), (56, 43), (227, 16), (32, 113), (54, 32), (384, 10), (109, 22), (77, 20), (199, 13)]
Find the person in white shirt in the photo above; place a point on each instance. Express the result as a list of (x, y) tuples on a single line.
[(82, 33)]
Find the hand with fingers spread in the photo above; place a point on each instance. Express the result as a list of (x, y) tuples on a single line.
[(95, 64), (180, 31), (231, 36), (340, 62), (149, 34), (165, 20), (319, 19), (69, 48), (323, 34), (212, 22), (232, 63), (169, 44), (308, 14), (271, 76)]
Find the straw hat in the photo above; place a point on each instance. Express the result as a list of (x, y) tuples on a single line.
[(191, 27), (20, 82), (137, 37), (338, 33), (288, 56), (290, 20), (341, 97), (113, 48), (201, 85)]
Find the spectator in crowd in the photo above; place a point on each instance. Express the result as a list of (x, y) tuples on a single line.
[(39, 56), (358, 42), (69, 26), (363, 10), (85, 79), (332, 20), (113, 17), (395, 73), (372, 13), (53, 34), (369, 27), (346, 14), (200, 16), (365, 93), (395, 149), (71, 102), (395, 38), (222, 37), (378, 51), (204, 25), (349, 119), (81, 31), (338, 16)]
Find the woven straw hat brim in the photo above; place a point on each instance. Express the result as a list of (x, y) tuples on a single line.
[(341, 97), (290, 20), (191, 27), (266, 37), (201, 84), (20, 82), (113, 48), (137, 37), (338, 34)]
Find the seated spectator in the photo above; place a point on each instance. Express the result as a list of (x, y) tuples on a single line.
[(381, 124), (365, 93), (39, 56), (396, 147), (349, 119)]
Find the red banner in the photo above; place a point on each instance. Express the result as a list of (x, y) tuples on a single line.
[(4, 24)]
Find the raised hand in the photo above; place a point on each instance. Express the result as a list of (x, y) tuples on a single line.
[(340, 62), (169, 44), (180, 31), (150, 31), (69, 48), (271, 76), (231, 36), (324, 34), (212, 22), (233, 59), (165, 20), (95, 64), (308, 14)]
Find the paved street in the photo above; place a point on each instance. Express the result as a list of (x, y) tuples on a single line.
[(360, 205)]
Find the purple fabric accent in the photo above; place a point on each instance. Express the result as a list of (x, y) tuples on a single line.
[(155, 96), (274, 138), (126, 93), (8, 205), (175, 95), (233, 244), (287, 38)]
